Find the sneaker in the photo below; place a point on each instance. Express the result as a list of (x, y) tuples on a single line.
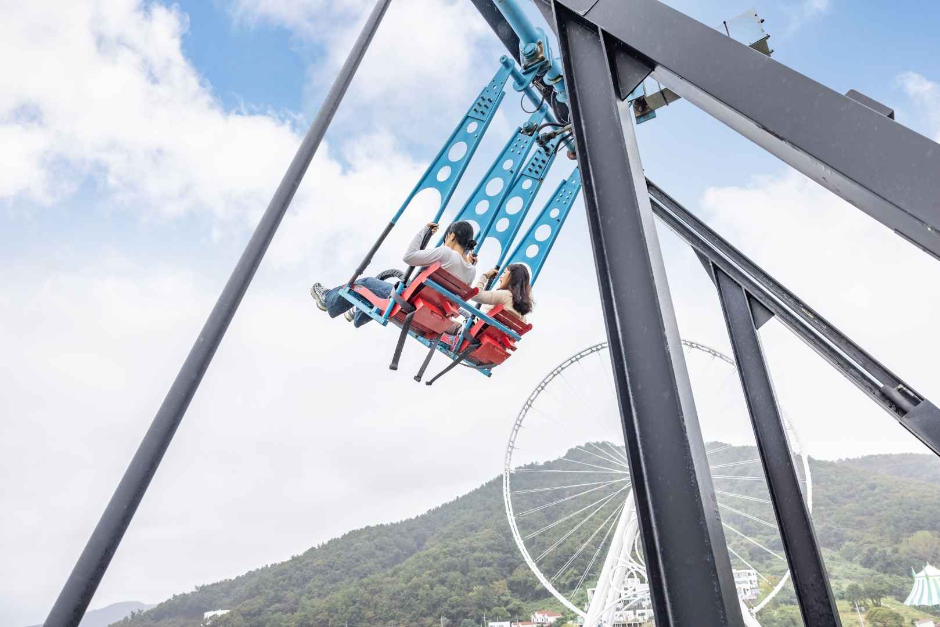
[(319, 294), (350, 314)]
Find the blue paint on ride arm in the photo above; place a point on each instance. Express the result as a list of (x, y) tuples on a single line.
[(451, 162), (516, 205), (533, 249), (480, 208)]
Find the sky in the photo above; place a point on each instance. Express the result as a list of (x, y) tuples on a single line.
[(141, 140)]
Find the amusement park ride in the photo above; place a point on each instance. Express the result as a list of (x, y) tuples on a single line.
[(587, 103)]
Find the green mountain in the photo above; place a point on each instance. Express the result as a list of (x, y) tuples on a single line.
[(876, 517)]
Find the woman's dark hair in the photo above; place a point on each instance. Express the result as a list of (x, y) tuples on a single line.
[(520, 288), (463, 234)]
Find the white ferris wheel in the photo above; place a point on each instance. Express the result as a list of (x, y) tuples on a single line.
[(568, 491)]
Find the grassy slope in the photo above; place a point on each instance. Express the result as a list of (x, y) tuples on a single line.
[(459, 558)]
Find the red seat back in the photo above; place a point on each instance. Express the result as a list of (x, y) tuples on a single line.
[(433, 310), (495, 345)]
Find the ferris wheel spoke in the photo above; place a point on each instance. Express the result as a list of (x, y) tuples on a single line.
[(603, 455), (620, 453), (594, 557), (589, 472), (753, 541), (575, 461), (576, 409), (607, 521), (567, 535), (590, 409), (748, 516), (719, 448), (568, 487), (564, 499), (746, 498), (549, 416), (748, 564), (730, 464), (603, 500)]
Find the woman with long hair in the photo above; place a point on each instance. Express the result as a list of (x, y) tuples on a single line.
[(513, 290)]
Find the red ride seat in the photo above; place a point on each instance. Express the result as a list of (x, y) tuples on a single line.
[(433, 311), (495, 345)]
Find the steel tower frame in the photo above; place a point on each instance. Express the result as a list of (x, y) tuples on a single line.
[(608, 48)]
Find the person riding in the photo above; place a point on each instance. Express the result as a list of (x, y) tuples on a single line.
[(513, 290), (454, 255)]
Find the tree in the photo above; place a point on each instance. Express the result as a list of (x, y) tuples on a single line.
[(876, 589), (467, 623), (922, 547), (854, 594), (782, 616), (883, 617)]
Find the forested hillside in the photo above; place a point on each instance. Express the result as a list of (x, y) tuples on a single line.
[(876, 517)]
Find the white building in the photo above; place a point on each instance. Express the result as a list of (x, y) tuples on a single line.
[(746, 583), (208, 616), (924, 623), (545, 617), (636, 607), (499, 623)]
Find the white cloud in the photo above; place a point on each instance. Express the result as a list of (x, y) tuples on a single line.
[(110, 97), (868, 282), (298, 433), (108, 94), (282, 447), (427, 56), (925, 95), (803, 12)]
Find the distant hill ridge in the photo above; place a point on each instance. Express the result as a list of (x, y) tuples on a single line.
[(111, 613), (459, 559)]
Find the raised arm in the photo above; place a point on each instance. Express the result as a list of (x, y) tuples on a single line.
[(490, 297), (414, 256)]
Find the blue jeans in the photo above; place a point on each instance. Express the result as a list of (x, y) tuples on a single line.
[(336, 305)]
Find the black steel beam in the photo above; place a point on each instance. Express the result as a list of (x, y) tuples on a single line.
[(82, 583), (804, 556), (883, 168), (913, 411), (687, 562), (499, 25)]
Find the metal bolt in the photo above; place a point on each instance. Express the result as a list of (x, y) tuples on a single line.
[(530, 51)]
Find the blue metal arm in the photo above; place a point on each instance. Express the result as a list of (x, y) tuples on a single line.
[(514, 208), (541, 236), (445, 171), (480, 208), (451, 162)]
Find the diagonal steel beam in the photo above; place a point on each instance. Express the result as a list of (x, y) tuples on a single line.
[(83, 581), (915, 413), (883, 168), (687, 560), (804, 556)]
